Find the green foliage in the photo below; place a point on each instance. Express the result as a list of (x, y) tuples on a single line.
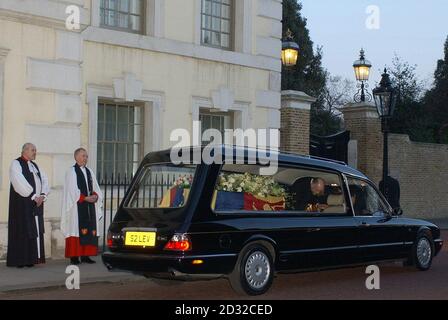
[(308, 75), (422, 115), (436, 100), (409, 117)]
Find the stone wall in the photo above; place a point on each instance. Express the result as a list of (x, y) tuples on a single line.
[(422, 170)]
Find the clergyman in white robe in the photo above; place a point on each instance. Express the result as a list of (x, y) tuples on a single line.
[(29, 190), (72, 197)]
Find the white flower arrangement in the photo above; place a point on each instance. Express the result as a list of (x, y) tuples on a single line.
[(184, 182), (261, 186)]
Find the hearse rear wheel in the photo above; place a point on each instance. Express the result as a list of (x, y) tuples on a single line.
[(254, 271), (423, 251)]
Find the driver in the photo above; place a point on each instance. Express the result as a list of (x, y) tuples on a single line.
[(317, 201)]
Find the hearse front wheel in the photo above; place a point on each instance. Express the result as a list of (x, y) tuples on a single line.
[(423, 251), (254, 271)]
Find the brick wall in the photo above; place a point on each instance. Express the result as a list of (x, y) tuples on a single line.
[(295, 122), (367, 132), (295, 130)]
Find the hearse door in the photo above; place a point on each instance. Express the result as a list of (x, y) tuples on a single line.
[(318, 241), (328, 238), (337, 239), (380, 234)]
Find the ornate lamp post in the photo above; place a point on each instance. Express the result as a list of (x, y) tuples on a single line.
[(290, 51), (385, 99), (362, 73)]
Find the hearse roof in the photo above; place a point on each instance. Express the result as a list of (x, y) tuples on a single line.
[(283, 157)]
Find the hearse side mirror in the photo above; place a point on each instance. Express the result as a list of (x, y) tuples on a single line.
[(398, 211)]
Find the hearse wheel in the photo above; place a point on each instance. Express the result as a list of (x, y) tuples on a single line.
[(254, 270), (423, 251)]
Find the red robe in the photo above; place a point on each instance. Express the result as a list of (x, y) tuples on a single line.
[(74, 249)]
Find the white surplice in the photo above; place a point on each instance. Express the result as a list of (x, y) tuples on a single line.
[(71, 194), (22, 187)]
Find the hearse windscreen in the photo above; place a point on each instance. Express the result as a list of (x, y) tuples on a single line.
[(162, 186)]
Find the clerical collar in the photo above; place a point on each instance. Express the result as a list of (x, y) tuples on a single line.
[(24, 159)]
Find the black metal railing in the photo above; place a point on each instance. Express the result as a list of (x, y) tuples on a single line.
[(114, 188)]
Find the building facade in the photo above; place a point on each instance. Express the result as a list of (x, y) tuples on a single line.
[(134, 71)]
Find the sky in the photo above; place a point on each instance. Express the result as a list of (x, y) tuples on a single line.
[(414, 29)]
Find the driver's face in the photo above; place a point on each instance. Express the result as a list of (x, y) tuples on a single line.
[(318, 188)]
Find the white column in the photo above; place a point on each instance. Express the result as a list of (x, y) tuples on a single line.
[(95, 12), (3, 54)]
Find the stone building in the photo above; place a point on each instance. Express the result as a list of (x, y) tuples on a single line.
[(134, 71)]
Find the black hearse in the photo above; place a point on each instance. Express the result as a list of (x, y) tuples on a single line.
[(202, 220)]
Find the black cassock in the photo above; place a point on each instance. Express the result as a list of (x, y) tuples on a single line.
[(86, 211), (23, 229)]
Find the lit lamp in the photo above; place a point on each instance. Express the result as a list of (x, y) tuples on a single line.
[(385, 96), (290, 51), (362, 73)]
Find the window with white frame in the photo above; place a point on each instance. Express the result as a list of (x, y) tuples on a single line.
[(217, 23), (126, 15), (120, 139), (215, 120)]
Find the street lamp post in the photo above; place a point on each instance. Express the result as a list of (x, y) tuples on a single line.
[(385, 99), (362, 73)]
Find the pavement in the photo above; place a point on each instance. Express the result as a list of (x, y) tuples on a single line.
[(53, 274)]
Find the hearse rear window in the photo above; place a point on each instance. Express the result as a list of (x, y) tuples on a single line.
[(242, 188), (163, 186)]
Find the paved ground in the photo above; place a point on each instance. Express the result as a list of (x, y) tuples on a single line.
[(396, 283), (52, 274)]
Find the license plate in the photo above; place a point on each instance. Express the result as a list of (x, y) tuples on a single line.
[(140, 239)]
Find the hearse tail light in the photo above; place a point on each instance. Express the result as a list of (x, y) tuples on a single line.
[(179, 242), (111, 238), (110, 242)]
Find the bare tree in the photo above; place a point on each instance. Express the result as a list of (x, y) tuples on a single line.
[(326, 119), (337, 93)]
